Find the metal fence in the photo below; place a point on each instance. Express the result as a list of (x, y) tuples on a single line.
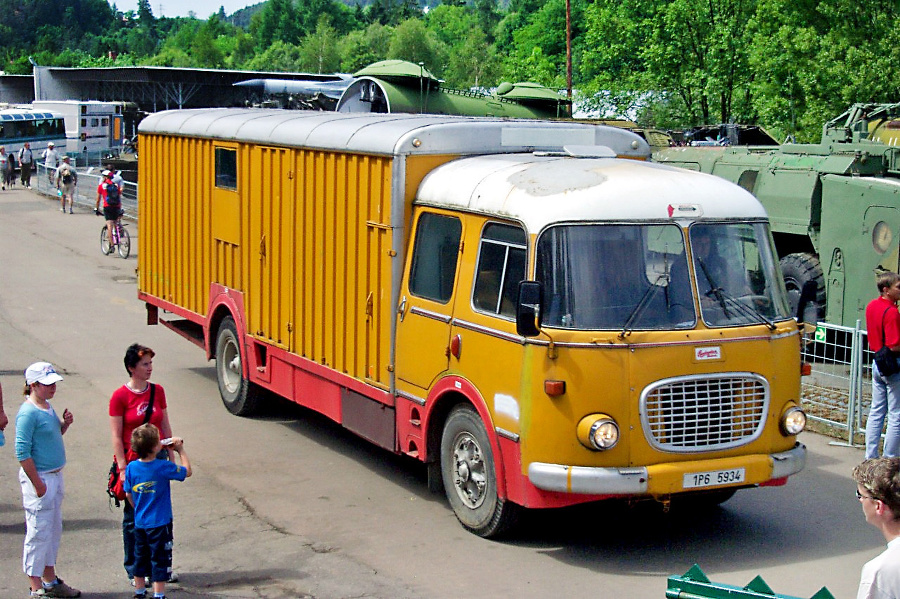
[(838, 393), (86, 189)]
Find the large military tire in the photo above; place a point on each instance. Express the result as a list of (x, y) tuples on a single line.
[(797, 269), (240, 396), (470, 476)]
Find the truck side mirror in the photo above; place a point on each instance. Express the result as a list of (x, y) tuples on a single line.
[(528, 308), (807, 310)]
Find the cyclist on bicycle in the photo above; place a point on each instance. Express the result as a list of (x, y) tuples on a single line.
[(112, 202)]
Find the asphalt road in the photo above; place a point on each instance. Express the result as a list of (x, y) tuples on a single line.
[(289, 505)]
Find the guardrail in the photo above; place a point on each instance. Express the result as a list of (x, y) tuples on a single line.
[(86, 189), (695, 585), (838, 393)]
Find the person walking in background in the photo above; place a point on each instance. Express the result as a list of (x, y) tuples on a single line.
[(878, 491), (6, 169), (883, 327), (148, 491), (26, 161), (3, 419), (42, 457), (66, 180), (116, 177), (51, 162), (135, 403)]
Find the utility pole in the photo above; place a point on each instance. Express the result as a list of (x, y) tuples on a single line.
[(569, 49)]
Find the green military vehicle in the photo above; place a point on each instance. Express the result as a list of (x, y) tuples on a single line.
[(834, 206)]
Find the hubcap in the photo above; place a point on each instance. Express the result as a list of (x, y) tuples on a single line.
[(231, 366), (469, 476)]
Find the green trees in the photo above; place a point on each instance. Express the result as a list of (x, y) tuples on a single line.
[(786, 64)]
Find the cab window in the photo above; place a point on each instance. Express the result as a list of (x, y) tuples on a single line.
[(434, 259), (501, 266)]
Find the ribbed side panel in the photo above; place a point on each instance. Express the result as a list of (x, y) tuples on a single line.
[(176, 258)]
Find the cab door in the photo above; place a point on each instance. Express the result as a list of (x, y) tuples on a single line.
[(427, 297)]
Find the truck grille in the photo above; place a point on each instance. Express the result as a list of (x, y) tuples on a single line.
[(704, 413)]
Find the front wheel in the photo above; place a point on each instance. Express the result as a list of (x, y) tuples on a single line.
[(470, 476), (239, 395), (104, 242), (124, 242)]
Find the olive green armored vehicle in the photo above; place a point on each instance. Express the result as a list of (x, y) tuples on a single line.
[(834, 206)]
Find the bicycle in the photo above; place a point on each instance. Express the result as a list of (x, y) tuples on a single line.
[(121, 240)]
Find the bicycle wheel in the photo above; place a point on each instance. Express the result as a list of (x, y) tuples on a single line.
[(124, 242), (104, 242)]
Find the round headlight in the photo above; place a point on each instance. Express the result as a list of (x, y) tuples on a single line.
[(604, 434), (793, 421), (598, 432)]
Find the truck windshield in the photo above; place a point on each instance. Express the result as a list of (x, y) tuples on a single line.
[(629, 276), (610, 276), (737, 278)]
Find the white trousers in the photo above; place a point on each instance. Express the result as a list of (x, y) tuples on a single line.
[(43, 522)]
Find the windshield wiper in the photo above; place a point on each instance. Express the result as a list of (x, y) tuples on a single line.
[(714, 289), (749, 311), (649, 294), (724, 300)]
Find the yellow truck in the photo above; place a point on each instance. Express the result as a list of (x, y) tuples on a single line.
[(532, 309)]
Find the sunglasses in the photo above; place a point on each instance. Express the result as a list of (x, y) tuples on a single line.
[(860, 496)]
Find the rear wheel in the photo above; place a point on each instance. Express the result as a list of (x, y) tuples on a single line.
[(124, 242), (470, 477), (797, 269), (104, 242), (239, 395)]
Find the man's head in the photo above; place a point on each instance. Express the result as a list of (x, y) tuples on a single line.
[(27, 145), (878, 481), (145, 440), (886, 280), (50, 145), (66, 159)]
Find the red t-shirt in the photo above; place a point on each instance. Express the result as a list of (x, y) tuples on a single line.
[(878, 309), (132, 408)]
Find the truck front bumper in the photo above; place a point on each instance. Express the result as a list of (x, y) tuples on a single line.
[(662, 479)]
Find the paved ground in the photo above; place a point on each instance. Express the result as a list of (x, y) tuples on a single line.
[(289, 505)]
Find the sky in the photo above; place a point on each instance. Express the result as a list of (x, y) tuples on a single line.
[(180, 8)]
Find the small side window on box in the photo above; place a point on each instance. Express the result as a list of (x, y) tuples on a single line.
[(226, 168)]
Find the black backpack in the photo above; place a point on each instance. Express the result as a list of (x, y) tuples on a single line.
[(67, 176), (113, 197)]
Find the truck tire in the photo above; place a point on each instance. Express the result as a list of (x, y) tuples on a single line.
[(240, 396), (797, 269), (470, 476)]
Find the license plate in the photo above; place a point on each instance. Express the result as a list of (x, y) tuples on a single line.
[(715, 478)]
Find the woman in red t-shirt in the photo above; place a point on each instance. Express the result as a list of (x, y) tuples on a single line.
[(128, 410)]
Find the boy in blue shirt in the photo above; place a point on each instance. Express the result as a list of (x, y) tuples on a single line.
[(147, 488)]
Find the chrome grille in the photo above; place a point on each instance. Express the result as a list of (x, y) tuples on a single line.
[(704, 413)]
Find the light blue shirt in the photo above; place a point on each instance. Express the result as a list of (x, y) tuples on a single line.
[(39, 437)]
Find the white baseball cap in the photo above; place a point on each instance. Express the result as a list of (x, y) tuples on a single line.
[(50, 145), (43, 373)]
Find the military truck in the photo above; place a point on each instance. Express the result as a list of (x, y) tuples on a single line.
[(834, 206)]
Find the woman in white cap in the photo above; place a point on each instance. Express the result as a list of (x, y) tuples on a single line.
[(42, 456)]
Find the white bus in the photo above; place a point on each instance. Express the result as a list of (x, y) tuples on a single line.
[(91, 126), (20, 125)]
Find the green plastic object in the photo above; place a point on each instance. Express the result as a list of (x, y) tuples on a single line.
[(694, 584)]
